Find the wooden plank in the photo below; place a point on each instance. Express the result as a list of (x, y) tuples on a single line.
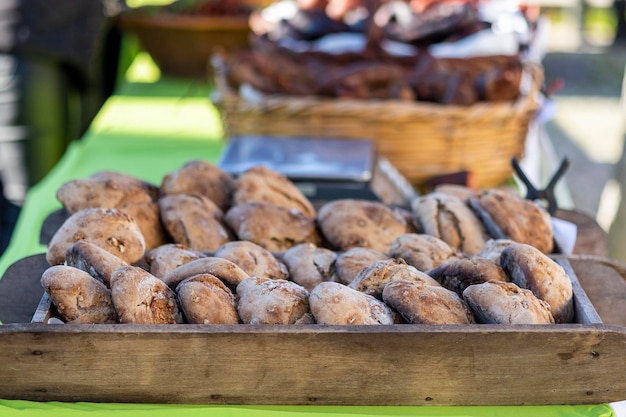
[(314, 364)]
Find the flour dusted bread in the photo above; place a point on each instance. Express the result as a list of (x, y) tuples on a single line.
[(426, 304), (77, 296), (194, 221), (493, 248), (422, 251), (509, 216), (111, 229), (141, 298), (94, 260), (352, 261), (205, 299), (309, 265), (350, 223), (450, 219), (203, 178), (335, 303), (253, 259), (165, 258), (497, 302), (529, 268), (223, 269), (373, 279), (262, 184), (273, 227), (271, 301), (460, 274)]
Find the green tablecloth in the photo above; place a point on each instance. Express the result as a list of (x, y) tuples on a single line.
[(148, 130)]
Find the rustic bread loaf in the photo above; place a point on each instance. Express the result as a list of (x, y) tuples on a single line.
[(94, 260), (497, 302), (350, 262), (350, 223), (194, 221), (422, 251), (493, 248), (529, 268), (262, 184), (273, 227), (205, 299), (77, 296), (335, 303), (460, 274), (450, 219), (228, 272), (253, 259), (509, 216), (426, 304), (203, 178), (165, 258), (309, 265), (141, 298), (373, 279), (111, 229), (271, 301)]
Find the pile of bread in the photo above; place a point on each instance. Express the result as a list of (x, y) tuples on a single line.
[(206, 247)]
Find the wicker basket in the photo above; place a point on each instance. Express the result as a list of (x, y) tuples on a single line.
[(422, 140)]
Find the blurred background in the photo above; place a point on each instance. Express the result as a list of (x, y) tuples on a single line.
[(60, 60)]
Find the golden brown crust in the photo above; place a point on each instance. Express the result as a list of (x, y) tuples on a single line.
[(205, 299), (497, 302), (531, 269), (194, 221), (142, 298), (352, 261), (111, 229), (254, 259), (509, 216), (165, 258), (422, 251), (203, 178), (77, 296), (262, 184), (309, 265), (94, 260), (350, 223), (273, 227), (228, 272), (426, 304)]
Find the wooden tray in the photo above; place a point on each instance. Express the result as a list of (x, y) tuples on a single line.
[(577, 363)]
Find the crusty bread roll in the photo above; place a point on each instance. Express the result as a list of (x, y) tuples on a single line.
[(141, 298), (94, 260), (460, 274), (109, 189), (337, 304), (228, 272), (271, 301), (273, 227), (426, 304), (205, 299), (529, 268), (194, 221), (111, 229), (372, 279), (493, 248), (450, 219), (509, 216), (309, 265), (350, 223), (77, 296), (254, 259), (203, 178), (497, 302), (165, 258), (352, 261), (422, 251), (262, 184)]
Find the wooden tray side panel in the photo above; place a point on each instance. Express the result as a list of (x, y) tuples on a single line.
[(401, 365)]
